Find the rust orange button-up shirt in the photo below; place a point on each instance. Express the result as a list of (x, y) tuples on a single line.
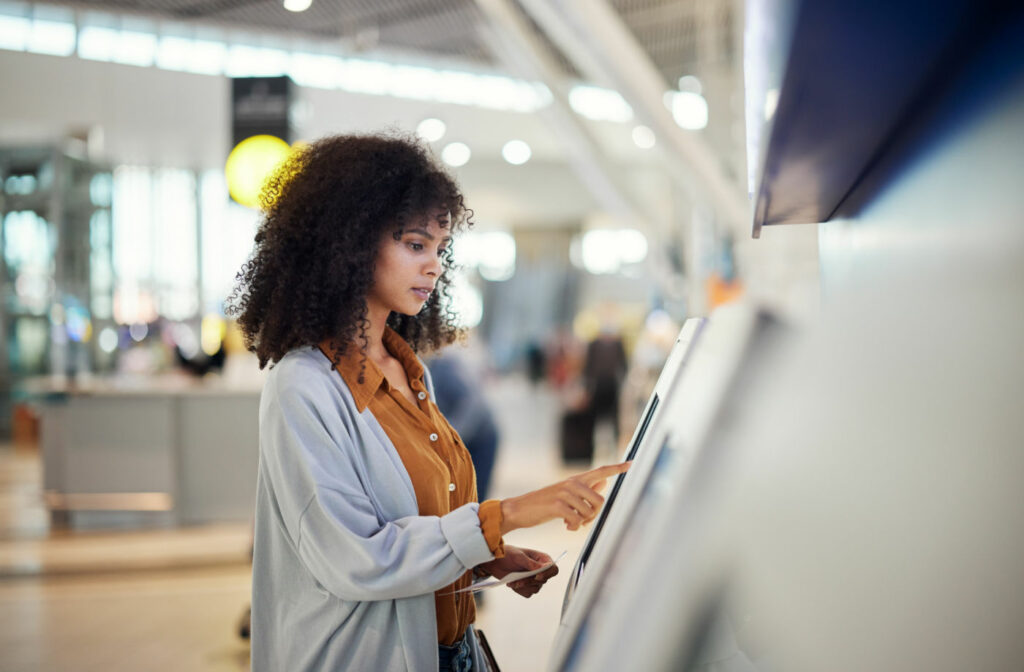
[(437, 461)]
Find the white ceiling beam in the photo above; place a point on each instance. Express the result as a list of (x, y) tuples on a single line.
[(595, 38), (514, 42)]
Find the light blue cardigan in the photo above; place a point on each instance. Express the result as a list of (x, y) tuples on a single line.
[(344, 567)]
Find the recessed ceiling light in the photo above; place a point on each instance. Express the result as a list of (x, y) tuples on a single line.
[(455, 154), (297, 5), (516, 152), (643, 137), (690, 110), (690, 84), (431, 129)]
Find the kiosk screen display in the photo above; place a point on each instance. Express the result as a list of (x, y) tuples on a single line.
[(610, 499), (649, 420), (657, 487)]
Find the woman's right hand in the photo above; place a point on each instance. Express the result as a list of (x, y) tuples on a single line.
[(575, 500)]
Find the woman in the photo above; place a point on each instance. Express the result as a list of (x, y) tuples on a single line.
[(366, 516)]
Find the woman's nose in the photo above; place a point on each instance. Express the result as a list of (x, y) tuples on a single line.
[(434, 266)]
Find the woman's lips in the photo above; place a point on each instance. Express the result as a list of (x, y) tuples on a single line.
[(422, 293)]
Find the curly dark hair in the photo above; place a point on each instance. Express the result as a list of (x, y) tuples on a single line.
[(326, 210)]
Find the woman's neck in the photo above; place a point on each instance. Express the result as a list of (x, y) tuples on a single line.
[(376, 322)]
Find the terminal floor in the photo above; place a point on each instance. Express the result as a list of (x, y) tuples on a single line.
[(171, 599)]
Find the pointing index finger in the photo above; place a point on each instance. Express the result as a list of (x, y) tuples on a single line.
[(607, 471)]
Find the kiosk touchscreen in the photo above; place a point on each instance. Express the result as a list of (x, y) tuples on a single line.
[(690, 414), (674, 364)]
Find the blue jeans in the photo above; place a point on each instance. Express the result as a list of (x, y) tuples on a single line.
[(455, 658)]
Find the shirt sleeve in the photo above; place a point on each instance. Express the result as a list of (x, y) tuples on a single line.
[(490, 524), (331, 519)]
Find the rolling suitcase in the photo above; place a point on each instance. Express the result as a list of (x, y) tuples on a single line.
[(577, 436)]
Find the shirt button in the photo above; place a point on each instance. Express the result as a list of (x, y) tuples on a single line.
[(451, 487), (433, 437), (422, 395)]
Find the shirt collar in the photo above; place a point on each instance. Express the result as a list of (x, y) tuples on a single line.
[(402, 351), (350, 363)]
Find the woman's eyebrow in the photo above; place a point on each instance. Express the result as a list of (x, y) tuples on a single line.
[(426, 234), (423, 232)]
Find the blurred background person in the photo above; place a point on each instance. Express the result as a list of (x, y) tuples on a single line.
[(604, 368), (458, 388)]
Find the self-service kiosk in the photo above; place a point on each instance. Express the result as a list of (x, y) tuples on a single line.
[(675, 363), (656, 504), (845, 497)]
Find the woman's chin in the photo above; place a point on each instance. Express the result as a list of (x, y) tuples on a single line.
[(411, 310)]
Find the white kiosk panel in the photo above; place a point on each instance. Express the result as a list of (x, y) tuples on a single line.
[(676, 468), (674, 364)]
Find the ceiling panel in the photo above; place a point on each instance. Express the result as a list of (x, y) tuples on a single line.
[(669, 30)]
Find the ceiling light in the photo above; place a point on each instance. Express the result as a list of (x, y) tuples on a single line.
[(455, 154), (690, 110), (431, 129), (599, 104), (297, 5), (643, 137), (690, 84), (516, 152)]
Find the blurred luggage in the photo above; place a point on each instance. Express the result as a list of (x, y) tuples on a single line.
[(577, 435)]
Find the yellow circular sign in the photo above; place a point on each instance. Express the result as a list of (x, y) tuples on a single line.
[(249, 165)]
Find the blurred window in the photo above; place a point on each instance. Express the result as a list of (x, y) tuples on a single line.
[(492, 253), (155, 244), (228, 230), (52, 31), (175, 258), (15, 25), (603, 251)]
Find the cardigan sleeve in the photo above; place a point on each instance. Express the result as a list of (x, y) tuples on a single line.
[(332, 522)]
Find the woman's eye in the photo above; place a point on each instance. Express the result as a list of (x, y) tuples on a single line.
[(441, 251), (416, 247)]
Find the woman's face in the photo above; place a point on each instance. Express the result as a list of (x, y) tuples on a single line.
[(407, 269)]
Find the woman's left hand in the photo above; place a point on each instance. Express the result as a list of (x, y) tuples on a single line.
[(520, 560)]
